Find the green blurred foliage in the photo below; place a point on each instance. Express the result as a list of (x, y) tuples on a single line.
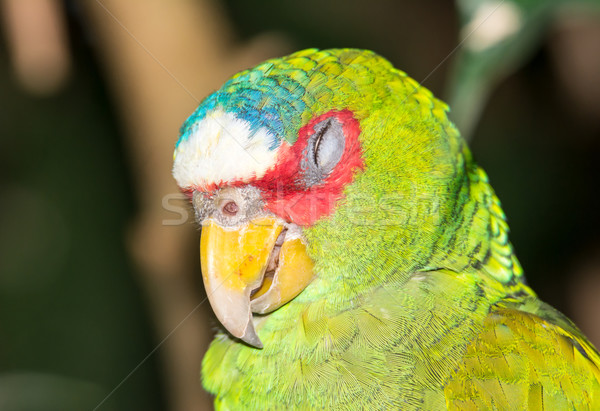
[(497, 38)]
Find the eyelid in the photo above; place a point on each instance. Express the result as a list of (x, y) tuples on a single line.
[(324, 151), (317, 143)]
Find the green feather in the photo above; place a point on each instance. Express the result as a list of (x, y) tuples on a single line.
[(419, 301)]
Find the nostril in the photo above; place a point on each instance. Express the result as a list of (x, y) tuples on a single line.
[(230, 208)]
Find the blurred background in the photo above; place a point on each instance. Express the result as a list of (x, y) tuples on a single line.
[(101, 302)]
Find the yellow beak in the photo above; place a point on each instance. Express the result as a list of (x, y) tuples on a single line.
[(256, 267)]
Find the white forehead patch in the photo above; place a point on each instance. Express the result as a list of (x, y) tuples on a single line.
[(223, 148)]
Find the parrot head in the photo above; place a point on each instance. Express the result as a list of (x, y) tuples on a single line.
[(318, 175)]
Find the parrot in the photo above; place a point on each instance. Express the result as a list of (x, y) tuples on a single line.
[(356, 255)]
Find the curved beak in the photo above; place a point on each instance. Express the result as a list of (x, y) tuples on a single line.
[(256, 267)]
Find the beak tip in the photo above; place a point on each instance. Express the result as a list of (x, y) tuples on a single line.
[(255, 343), (251, 338)]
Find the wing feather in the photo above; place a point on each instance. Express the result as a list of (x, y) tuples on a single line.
[(528, 356)]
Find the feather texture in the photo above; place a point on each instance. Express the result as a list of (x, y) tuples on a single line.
[(419, 301)]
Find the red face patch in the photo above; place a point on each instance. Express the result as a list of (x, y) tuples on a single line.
[(310, 176)]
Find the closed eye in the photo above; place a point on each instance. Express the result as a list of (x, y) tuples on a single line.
[(324, 151)]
